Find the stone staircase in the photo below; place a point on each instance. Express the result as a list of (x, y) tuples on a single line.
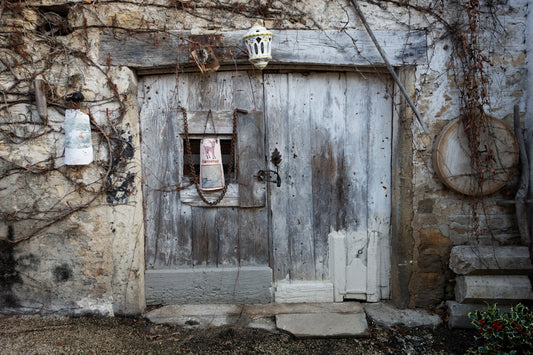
[(487, 275)]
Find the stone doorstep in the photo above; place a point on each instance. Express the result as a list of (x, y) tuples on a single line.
[(306, 325), (300, 319)]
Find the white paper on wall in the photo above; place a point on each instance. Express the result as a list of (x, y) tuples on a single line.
[(78, 144), (211, 169)]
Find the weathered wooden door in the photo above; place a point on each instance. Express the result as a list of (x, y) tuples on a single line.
[(330, 218), (324, 231), (197, 253)]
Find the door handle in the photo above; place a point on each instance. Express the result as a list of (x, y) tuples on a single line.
[(266, 175)]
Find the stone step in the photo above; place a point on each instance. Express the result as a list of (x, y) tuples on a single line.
[(322, 319), (458, 313), (305, 325), (386, 315), (477, 260), (260, 316), (300, 319), (492, 288), (212, 315)]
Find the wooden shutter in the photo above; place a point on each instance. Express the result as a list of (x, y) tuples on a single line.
[(250, 156)]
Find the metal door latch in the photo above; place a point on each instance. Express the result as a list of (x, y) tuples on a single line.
[(267, 175)]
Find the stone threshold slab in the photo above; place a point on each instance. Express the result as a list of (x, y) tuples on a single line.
[(262, 316), (300, 319)]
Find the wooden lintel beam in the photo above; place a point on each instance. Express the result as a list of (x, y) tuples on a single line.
[(152, 50)]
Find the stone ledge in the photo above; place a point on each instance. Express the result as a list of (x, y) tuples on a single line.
[(478, 260), (493, 288), (458, 313)]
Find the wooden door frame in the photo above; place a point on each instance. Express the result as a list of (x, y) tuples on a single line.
[(346, 50)]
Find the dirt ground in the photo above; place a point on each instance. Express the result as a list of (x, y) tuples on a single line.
[(97, 335)]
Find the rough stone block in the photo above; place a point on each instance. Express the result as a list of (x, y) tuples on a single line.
[(458, 313), (427, 289), (433, 239), (386, 315), (469, 260), (492, 288), (306, 325)]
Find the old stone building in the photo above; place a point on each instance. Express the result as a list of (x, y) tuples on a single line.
[(369, 198)]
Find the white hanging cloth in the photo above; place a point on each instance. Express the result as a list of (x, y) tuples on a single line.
[(211, 169), (78, 144)]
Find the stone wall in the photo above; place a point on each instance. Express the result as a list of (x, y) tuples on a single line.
[(90, 259)]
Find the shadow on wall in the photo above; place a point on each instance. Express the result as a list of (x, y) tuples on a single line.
[(9, 276)]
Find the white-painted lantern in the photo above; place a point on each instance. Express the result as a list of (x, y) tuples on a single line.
[(258, 42)]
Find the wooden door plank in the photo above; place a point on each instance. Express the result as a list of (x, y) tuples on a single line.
[(227, 231), (205, 239), (251, 148), (276, 116), (201, 93), (253, 237), (355, 152), (327, 148), (299, 213), (357, 163), (379, 186), (248, 90), (199, 122), (161, 176), (253, 222)]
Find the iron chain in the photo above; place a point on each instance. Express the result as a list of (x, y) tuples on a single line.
[(191, 163)]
